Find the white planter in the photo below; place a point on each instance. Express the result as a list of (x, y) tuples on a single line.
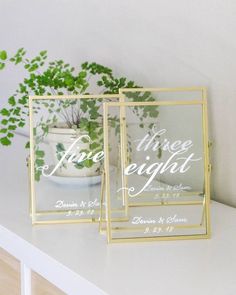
[(66, 137)]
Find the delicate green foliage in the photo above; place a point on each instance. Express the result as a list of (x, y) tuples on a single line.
[(3, 130), (3, 55), (12, 101), (5, 112), (59, 78), (2, 65), (4, 122), (5, 141), (39, 163), (12, 127), (40, 153), (60, 149)]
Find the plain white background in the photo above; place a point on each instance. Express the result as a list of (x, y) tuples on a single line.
[(157, 43)]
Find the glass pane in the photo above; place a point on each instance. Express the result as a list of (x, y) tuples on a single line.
[(68, 157), (159, 187)]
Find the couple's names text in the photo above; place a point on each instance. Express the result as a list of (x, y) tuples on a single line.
[(160, 220)]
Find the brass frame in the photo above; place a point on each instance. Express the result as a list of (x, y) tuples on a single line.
[(32, 202), (207, 166)]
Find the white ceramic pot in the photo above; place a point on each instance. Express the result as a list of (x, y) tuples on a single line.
[(66, 137)]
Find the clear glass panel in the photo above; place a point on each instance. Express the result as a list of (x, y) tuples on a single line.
[(68, 157), (158, 187)]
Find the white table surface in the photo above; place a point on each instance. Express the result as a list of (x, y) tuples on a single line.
[(78, 260)]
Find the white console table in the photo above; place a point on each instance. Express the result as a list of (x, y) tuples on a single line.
[(78, 261)]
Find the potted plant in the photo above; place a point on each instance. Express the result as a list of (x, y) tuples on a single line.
[(65, 118)]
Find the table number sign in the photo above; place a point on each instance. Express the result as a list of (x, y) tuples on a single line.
[(162, 181), (66, 157)]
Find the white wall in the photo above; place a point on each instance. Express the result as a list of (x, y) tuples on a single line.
[(157, 43)]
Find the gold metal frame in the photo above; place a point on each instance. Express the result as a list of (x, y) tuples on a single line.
[(207, 167), (32, 208)]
